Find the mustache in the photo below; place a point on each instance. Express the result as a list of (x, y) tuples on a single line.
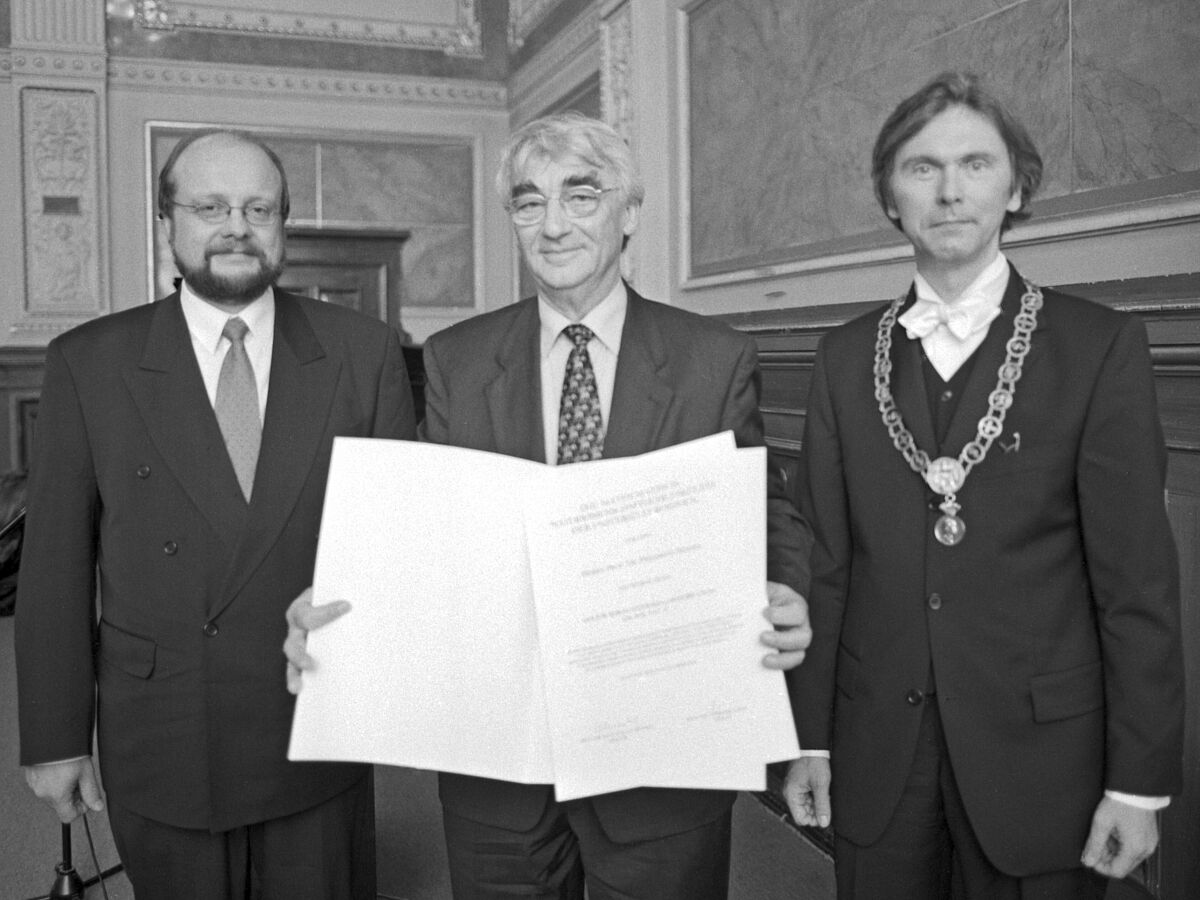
[(248, 247)]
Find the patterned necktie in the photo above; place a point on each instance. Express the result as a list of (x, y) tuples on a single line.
[(237, 406), (580, 423)]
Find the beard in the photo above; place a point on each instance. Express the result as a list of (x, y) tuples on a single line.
[(231, 288)]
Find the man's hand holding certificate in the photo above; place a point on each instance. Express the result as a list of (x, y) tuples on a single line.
[(592, 626)]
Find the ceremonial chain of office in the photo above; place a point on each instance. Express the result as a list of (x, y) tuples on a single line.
[(946, 475)]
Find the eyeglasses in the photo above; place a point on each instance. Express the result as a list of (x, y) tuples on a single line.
[(217, 211), (577, 202)]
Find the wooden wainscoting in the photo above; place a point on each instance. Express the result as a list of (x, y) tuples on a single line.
[(20, 386), (1170, 308)]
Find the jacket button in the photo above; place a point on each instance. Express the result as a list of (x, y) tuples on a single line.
[(170, 548), (143, 471), (914, 697), (935, 601), (211, 629)]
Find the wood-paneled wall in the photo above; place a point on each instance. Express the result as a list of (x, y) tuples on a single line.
[(20, 385), (1170, 308)]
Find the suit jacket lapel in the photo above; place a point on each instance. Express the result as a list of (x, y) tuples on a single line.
[(642, 393), (514, 395), (302, 386), (908, 385), (169, 393)]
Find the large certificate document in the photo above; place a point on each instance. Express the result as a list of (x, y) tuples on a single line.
[(592, 626), (437, 665)]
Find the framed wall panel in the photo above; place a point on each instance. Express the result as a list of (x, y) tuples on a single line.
[(782, 100)]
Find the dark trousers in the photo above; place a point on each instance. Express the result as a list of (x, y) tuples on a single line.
[(930, 851), (569, 845), (326, 852)]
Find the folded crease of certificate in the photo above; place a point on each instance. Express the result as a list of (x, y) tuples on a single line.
[(592, 626)]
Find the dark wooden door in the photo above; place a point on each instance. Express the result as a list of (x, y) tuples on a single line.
[(363, 272)]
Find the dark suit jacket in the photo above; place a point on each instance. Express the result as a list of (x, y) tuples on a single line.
[(132, 480), (1052, 630), (679, 377)]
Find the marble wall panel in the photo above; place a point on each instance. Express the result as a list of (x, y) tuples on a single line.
[(438, 268), (786, 98), (743, 55), (1023, 55), (299, 160), (1137, 90), (802, 93), (397, 184)]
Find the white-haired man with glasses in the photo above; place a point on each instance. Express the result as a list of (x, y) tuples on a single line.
[(588, 369), (501, 382), (182, 450)]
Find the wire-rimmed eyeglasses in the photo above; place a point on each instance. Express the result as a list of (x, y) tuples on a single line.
[(577, 202), (216, 211)]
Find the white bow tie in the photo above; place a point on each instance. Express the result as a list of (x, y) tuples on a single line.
[(961, 319)]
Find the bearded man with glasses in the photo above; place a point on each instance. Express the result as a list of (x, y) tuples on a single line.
[(182, 450)]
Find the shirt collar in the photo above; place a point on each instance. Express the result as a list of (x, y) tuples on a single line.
[(206, 322), (606, 319), (987, 288)]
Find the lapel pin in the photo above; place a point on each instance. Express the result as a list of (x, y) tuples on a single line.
[(1014, 446)]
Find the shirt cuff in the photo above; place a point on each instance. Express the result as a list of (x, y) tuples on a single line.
[(55, 762), (1138, 800), (823, 754)]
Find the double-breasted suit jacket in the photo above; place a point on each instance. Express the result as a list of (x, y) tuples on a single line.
[(132, 481), (679, 377), (1051, 631)]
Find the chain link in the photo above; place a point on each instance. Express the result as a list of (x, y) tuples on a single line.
[(999, 401)]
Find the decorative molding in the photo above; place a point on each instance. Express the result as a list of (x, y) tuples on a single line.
[(158, 76), (562, 65), (60, 24), (524, 16), (5, 65), (1046, 227), (60, 150), (463, 36), (616, 71), (38, 64), (45, 329), (616, 89)]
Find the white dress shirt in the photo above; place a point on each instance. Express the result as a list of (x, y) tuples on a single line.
[(944, 349), (205, 323)]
